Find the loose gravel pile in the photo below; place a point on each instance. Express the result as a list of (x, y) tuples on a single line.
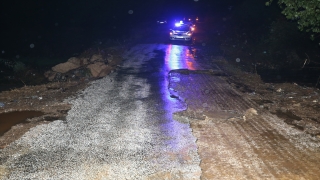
[(115, 130)]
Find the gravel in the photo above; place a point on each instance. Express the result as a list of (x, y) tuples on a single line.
[(115, 130)]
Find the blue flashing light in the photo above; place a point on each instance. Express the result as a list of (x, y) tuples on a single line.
[(177, 24)]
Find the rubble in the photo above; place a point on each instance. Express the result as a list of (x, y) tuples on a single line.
[(91, 64)]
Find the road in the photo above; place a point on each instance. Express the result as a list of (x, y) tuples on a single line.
[(165, 114)]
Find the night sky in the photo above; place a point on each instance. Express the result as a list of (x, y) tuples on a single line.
[(47, 24), (17, 13)]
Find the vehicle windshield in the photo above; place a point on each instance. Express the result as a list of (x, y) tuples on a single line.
[(181, 28)]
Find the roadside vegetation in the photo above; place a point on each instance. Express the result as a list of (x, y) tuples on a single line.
[(271, 43)]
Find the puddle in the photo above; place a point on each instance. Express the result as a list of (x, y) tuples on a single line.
[(7, 120)]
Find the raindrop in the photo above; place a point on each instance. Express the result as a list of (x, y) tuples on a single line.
[(203, 44), (2, 51), (130, 11), (264, 52), (39, 37), (56, 24), (196, 0), (31, 46), (114, 27), (238, 60), (17, 56)]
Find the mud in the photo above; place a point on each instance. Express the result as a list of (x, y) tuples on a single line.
[(47, 98), (7, 120), (235, 143)]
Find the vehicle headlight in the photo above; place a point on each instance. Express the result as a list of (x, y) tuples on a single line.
[(177, 24)]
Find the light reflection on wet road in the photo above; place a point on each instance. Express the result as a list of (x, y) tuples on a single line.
[(176, 57), (260, 147), (179, 57)]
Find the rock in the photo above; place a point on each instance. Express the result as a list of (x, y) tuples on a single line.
[(84, 61), (250, 113), (72, 63), (296, 105), (74, 60), (99, 69), (96, 57), (65, 67), (77, 61), (50, 75)]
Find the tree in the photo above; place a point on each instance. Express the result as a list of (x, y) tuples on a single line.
[(305, 12)]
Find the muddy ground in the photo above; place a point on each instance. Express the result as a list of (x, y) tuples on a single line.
[(297, 105), (42, 103)]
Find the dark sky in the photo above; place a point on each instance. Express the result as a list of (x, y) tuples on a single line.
[(94, 12), (48, 22)]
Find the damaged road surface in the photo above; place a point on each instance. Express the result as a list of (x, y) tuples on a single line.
[(163, 115), (120, 127), (238, 140)]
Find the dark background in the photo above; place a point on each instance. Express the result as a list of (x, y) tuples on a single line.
[(60, 28), (245, 29), (55, 26)]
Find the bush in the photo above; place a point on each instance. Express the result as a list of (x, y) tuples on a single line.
[(19, 67)]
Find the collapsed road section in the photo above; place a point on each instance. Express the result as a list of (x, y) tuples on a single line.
[(236, 138)]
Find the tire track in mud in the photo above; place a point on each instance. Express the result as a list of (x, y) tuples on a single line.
[(262, 147)]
